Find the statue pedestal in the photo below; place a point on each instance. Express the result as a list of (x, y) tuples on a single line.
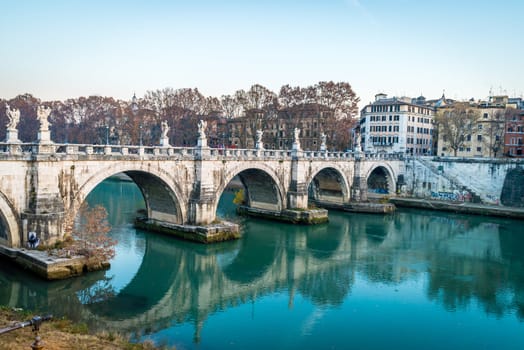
[(11, 136), (164, 142), (44, 136), (202, 142)]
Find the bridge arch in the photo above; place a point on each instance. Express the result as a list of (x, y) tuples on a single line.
[(263, 189), (162, 196), (328, 185), (512, 193), (243, 267), (160, 267), (10, 229), (381, 178)]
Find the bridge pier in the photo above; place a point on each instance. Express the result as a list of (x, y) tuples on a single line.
[(201, 224), (45, 213), (307, 216), (46, 217), (297, 196), (296, 210), (359, 190)]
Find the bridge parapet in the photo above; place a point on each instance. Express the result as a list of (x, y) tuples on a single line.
[(383, 156), (7, 149)]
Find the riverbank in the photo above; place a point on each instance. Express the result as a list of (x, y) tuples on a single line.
[(460, 207), (59, 334)]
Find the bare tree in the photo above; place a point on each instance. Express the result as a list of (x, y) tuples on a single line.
[(454, 123), (493, 131), (257, 97), (339, 97), (213, 106), (90, 235), (290, 97), (231, 107)]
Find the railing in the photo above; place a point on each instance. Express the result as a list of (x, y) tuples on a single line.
[(64, 149)]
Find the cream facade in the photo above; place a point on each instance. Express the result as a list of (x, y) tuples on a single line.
[(397, 125), (485, 138)]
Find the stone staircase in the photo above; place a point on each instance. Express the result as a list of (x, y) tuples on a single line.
[(475, 198)]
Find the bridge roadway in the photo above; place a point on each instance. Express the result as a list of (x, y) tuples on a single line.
[(43, 185)]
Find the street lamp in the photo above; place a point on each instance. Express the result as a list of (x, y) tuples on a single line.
[(140, 134), (107, 135)]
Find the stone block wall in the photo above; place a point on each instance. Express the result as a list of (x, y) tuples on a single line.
[(464, 179)]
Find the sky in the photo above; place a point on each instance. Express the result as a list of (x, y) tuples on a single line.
[(65, 49)]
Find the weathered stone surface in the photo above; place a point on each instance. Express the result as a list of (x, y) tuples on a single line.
[(219, 232), (50, 267), (465, 208), (372, 208), (305, 216), (459, 179), (42, 192)]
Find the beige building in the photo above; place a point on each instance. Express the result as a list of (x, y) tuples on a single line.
[(485, 138)]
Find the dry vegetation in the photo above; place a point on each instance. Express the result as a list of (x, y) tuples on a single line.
[(60, 334)]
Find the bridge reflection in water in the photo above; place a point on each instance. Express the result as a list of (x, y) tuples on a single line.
[(458, 260)]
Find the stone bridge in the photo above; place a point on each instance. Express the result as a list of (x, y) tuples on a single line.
[(43, 184)]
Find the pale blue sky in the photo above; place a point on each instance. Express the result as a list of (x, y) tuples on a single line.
[(62, 49)]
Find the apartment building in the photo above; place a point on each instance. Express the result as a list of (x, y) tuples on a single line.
[(397, 124), (514, 133), (485, 136)]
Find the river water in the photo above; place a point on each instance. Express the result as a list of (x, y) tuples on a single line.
[(412, 280)]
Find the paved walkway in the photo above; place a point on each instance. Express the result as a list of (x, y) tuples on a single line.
[(460, 207)]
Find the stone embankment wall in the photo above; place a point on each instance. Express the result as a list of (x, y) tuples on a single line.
[(488, 181)]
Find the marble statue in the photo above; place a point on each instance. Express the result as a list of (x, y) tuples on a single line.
[(323, 138), (297, 133), (13, 115), (42, 113), (259, 136), (202, 125), (165, 128)]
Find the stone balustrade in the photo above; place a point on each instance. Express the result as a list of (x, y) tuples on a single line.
[(57, 149)]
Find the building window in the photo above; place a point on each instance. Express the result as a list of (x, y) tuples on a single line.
[(479, 149), (486, 115), (479, 137), (480, 126)]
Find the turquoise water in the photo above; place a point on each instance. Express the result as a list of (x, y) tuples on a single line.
[(412, 280)]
